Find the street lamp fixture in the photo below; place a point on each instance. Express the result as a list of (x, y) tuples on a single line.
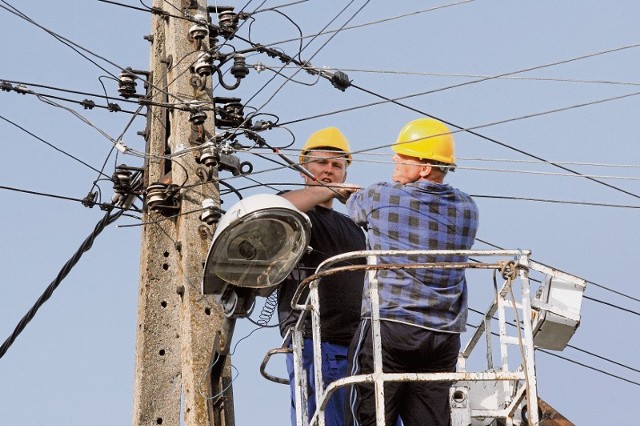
[(256, 245)]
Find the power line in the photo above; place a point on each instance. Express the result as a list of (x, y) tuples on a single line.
[(578, 163), (41, 194), (87, 202), (460, 129), (74, 46), (84, 247), (493, 140), (281, 6), (624, 379), (393, 18), (304, 47), (52, 146), (85, 103), (533, 68), (572, 360), (471, 131), (81, 118), (484, 76), (586, 297), (515, 198), (620, 308), (367, 153), (21, 87), (126, 5), (604, 358), (532, 172), (104, 164), (613, 291), (543, 200)]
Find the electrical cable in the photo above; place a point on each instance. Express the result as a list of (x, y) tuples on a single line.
[(612, 305), (306, 45), (290, 20), (52, 146), (574, 361), (231, 188), (165, 218), (520, 71), (470, 131), (74, 46), (119, 138), (108, 218), (43, 194), (126, 5), (586, 297), (609, 360), (277, 72), (604, 358), (590, 367), (501, 197), (267, 311), (579, 163), (281, 6), (366, 153), (613, 291), (460, 129), (484, 76), (81, 118), (542, 200), (265, 185), (323, 32), (3, 83), (531, 172)]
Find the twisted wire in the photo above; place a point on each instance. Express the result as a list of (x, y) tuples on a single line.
[(84, 247)]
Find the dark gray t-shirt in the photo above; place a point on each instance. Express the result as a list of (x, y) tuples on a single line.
[(332, 233)]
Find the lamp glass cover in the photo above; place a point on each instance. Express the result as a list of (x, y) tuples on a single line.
[(261, 250)]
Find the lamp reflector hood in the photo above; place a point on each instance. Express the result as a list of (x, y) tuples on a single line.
[(256, 244)]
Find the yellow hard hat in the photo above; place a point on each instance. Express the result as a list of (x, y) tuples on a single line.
[(329, 137), (427, 139)]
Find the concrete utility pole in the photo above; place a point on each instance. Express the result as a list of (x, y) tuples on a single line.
[(176, 325)]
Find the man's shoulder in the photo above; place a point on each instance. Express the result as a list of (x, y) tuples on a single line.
[(323, 212)]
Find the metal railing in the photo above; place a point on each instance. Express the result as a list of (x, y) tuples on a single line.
[(512, 391)]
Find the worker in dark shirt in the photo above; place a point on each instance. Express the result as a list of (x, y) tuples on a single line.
[(326, 156)]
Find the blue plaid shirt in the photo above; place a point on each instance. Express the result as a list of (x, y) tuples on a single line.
[(418, 216)]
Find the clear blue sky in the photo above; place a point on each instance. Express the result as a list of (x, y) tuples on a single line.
[(73, 365)]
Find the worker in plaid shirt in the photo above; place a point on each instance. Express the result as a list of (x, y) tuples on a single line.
[(423, 311)]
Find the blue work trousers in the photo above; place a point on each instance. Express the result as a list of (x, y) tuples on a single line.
[(334, 367)]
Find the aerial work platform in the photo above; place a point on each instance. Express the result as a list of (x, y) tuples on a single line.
[(532, 306)]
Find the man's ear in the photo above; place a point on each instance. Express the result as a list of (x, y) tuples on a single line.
[(425, 170), (304, 176), (344, 179)]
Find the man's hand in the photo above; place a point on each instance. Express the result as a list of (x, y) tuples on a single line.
[(344, 190)]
